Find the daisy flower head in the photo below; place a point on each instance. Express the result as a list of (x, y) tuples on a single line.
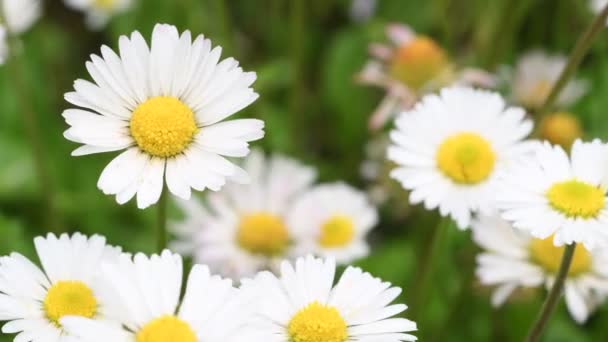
[(304, 305), (561, 128), (165, 105), (144, 295), (19, 15), (513, 259), (332, 220), (409, 66), (451, 147), (98, 12), (553, 194), (535, 74), (243, 229), (34, 300)]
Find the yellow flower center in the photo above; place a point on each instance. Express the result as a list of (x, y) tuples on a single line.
[(262, 233), (466, 158), (418, 62), (163, 126), (104, 4), (576, 199), (317, 323), (549, 256), (166, 328), (69, 298), (337, 231), (561, 129)]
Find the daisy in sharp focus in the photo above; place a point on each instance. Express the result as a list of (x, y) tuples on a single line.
[(451, 147), (304, 305), (332, 220), (35, 300), (243, 229), (98, 12), (552, 194), (514, 259), (144, 297), (165, 106), (535, 74)]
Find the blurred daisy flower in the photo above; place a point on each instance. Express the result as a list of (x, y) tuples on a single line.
[(243, 228), (451, 148), (35, 300), (145, 298), (164, 105), (16, 17), (552, 194), (19, 15), (598, 5), (332, 220), (411, 66), (535, 74), (98, 12), (514, 259), (362, 10), (303, 305), (561, 128)]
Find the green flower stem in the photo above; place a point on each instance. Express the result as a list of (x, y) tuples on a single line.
[(427, 265), (162, 234), (553, 298), (578, 53), (32, 130)]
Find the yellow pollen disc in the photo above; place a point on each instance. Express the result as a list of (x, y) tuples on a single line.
[(418, 62), (166, 328), (338, 231), (69, 298), (104, 4), (163, 126), (561, 129), (317, 323), (466, 158), (549, 256), (576, 199), (262, 233)]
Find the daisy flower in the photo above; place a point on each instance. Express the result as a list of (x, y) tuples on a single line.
[(553, 194), (561, 128), (19, 15), (164, 105), (243, 228), (451, 147), (332, 220), (409, 66), (535, 74), (144, 297), (304, 305), (98, 12), (514, 259), (35, 300)]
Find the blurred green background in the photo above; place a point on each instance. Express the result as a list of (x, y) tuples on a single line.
[(306, 54)]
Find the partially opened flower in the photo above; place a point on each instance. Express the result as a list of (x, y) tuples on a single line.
[(410, 66), (451, 148), (145, 299), (332, 220), (98, 12), (304, 305), (34, 301), (552, 194), (535, 74), (243, 228), (164, 105), (19, 15), (513, 259)]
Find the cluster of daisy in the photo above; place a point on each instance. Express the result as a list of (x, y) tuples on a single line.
[(86, 290), (465, 152), (278, 215)]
